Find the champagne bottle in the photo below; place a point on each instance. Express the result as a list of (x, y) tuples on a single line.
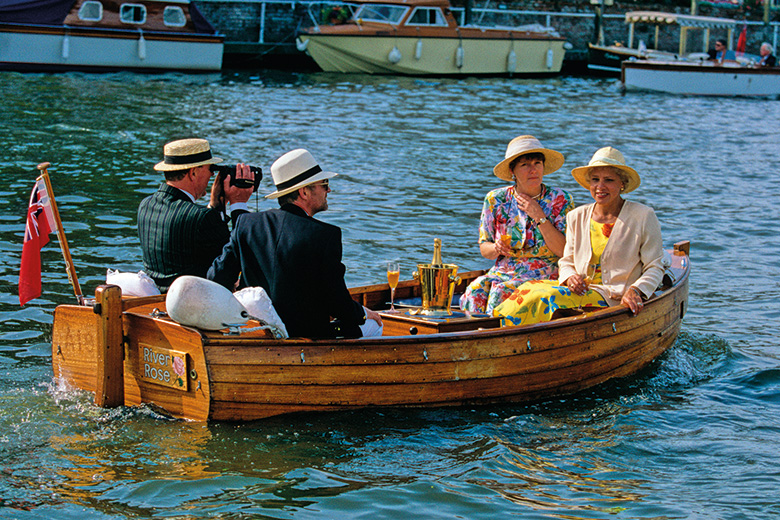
[(436, 262)]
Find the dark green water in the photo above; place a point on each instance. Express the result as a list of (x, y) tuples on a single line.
[(693, 437)]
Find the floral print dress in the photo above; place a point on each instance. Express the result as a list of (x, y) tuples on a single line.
[(535, 301), (502, 219)]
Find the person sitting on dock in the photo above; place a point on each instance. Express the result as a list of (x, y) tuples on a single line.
[(768, 58), (296, 258), (613, 252), (179, 237), (522, 226)]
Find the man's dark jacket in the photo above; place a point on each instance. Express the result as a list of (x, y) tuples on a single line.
[(178, 237), (297, 260)]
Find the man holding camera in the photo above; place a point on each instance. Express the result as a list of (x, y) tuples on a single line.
[(177, 235)]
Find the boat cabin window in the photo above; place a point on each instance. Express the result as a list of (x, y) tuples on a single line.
[(381, 13), (91, 11), (173, 16), (132, 13), (427, 16)]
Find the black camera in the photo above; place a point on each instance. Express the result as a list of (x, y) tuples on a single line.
[(223, 170)]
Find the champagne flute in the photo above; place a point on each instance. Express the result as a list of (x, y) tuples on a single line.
[(588, 279), (393, 274)]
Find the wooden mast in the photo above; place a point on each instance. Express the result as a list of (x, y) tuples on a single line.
[(69, 267)]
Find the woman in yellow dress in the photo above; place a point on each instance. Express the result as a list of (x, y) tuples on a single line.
[(613, 253)]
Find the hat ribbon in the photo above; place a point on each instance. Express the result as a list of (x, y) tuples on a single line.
[(187, 159), (607, 160), (299, 178)]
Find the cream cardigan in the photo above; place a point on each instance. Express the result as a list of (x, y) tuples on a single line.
[(633, 255)]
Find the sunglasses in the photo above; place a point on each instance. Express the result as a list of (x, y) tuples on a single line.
[(321, 183)]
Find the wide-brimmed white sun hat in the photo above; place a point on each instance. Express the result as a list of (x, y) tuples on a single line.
[(294, 170), (607, 156), (527, 144), (185, 154)]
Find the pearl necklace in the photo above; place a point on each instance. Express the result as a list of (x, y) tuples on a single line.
[(538, 196)]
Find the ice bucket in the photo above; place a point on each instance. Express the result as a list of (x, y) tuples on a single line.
[(437, 283)]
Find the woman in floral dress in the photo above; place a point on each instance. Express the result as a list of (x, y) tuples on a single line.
[(613, 252), (522, 226)]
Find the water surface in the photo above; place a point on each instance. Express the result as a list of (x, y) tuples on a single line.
[(692, 437)]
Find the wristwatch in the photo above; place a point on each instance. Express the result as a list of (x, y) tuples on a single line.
[(541, 221)]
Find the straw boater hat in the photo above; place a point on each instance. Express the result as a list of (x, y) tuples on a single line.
[(521, 146), (185, 154), (607, 156), (294, 170)]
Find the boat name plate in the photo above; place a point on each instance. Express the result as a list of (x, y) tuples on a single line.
[(163, 366)]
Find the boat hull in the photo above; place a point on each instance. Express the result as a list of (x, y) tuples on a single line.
[(705, 79), (606, 59), (437, 56), (33, 48), (252, 376)]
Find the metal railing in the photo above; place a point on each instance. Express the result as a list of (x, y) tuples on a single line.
[(478, 14)]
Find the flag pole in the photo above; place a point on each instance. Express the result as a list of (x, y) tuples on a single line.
[(69, 267)]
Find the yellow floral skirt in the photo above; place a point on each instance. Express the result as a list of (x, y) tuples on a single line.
[(537, 300)]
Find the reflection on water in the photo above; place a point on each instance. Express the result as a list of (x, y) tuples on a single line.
[(415, 160)]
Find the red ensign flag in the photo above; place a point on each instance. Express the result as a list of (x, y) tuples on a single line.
[(40, 222), (742, 41)]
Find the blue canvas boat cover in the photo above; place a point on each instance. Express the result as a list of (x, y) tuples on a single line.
[(37, 12)]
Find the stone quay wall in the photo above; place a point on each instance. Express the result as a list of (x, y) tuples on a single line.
[(263, 32)]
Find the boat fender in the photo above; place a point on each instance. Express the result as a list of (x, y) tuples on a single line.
[(301, 45), (204, 304), (142, 47), (65, 47), (511, 61), (260, 307), (459, 57), (132, 284), (394, 56), (418, 49), (550, 56)]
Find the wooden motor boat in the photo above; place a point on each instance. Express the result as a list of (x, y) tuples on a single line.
[(422, 37), (127, 352), (607, 58), (705, 78), (107, 35)]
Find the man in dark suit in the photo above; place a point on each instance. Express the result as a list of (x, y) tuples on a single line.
[(296, 258), (177, 235)]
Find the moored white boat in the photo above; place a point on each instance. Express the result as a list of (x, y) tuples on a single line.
[(422, 37), (705, 78), (107, 35), (607, 58)]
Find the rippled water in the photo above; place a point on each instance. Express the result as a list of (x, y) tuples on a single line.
[(694, 436)]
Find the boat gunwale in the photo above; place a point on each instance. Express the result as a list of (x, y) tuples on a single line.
[(444, 337), (678, 66), (481, 34), (107, 32)]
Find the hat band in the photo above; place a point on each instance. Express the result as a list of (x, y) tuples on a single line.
[(311, 172), (187, 159)]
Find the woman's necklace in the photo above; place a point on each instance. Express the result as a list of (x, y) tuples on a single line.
[(538, 196)]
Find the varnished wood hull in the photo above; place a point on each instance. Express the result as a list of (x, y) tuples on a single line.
[(252, 376)]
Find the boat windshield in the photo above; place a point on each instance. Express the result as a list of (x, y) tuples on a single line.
[(381, 13), (427, 16)]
